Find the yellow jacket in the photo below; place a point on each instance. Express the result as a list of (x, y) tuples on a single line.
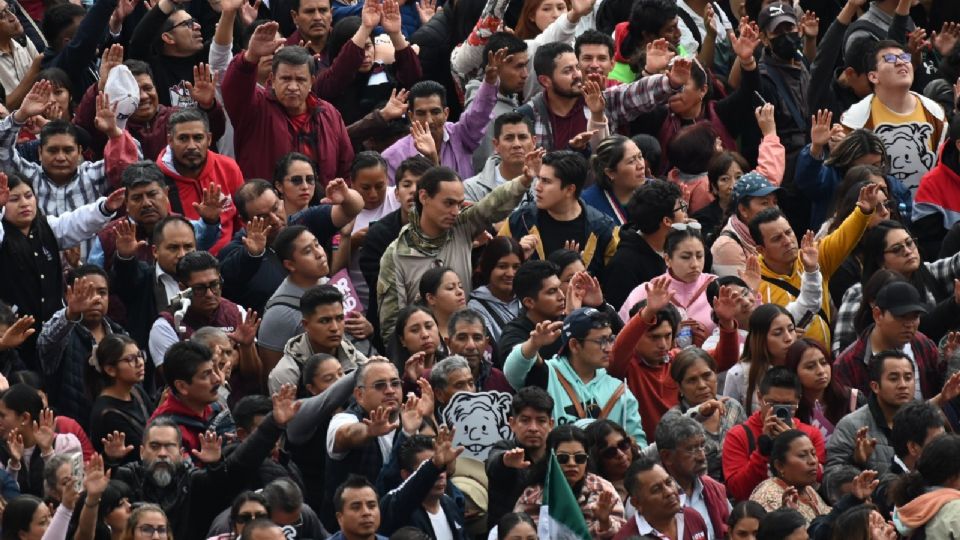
[(834, 248)]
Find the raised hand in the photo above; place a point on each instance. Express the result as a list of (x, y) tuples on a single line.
[(809, 24), (745, 45), (659, 56), (710, 21), (390, 17), (869, 197), (256, 238), (121, 12), (444, 452), (863, 485), (17, 333), (246, 332), (581, 141), (605, 501), (725, 305), (427, 398), (790, 498), (112, 57), (211, 446), (659, 295), (917, 42), (95, 481), (587, 288), (952, 344), (35, 102), (820, 128), (810, 252), (370, 14), (593, 96), (285, 404), (43, 431), (532, 163), (203, 89), (571, 245), (516, 458), (210, 206), (946, 39), (427, 9), (495, 61), (751, 272), (545, 333), (396, 106), (766, 119), (126, 239), (106, 118), (115, 447), (15, 445), (379, 422), (413, 368), (249, 12), (529, 243), (115, 200), (410, 417), (336, 191), (423, 140), (80, 297), (951, 389), (263, 42), (863, 446), (679, 72)]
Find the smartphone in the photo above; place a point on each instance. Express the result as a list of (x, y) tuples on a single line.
[(783, 413), (76, 470)]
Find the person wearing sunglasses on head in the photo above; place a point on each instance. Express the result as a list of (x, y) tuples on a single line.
[(599, 502), (576, 377), (911, 126)]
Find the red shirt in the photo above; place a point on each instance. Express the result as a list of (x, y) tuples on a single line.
[(567, 127)]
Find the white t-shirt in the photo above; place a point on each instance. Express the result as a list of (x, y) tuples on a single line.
[(441, 527), (345, 419)]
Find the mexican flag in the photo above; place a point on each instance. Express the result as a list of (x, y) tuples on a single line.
[(560, 515)]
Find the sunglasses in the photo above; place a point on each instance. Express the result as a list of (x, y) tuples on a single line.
[(300, 179), (243, 519), (611, 452), (579, 459), (380, 386), (692, 226)]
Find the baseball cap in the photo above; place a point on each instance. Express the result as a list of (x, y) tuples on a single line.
[(753, 184), (771, 16), (577, 325), (900, 298)]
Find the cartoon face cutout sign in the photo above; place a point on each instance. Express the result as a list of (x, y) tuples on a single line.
[(480, 419)]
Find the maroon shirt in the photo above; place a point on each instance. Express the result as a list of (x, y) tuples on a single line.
[(567, 127)]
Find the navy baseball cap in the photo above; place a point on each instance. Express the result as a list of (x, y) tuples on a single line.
[(753, 184), (577, 325)]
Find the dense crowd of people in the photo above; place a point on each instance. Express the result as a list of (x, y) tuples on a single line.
[(695, 264)]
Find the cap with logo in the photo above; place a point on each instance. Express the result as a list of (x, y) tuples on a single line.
[(577, 325), (774, 15)]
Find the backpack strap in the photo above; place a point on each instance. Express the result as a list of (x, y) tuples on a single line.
[(792, 106), (568, 388), (751, 441), (692, 26), (612, 401), (731, 234), (787, 286), (280, 300)]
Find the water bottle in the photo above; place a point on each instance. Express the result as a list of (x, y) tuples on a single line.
[(685, 337)]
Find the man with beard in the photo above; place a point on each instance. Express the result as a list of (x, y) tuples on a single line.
[(192, 496), (681, 444), (421, 500), (510, 463), (252, 271), (657, 498), (180, 49), (197, 271), (148, 203), (360, 439), (69, 338), (560, 112), (191, 167), (469, 338)]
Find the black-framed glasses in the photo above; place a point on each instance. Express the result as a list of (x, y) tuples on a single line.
[(891, 58), (247, 517), (902, 248), (578, 458), (682, 206), (298, 180), (201, 289), (603, 342), (380, 386), (611, 452), (188, 23), (133, 359), (150, 530)]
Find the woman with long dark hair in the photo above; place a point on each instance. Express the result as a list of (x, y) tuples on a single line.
[(611, 453), (295, 179), (602, 508), (823, 400), (417, 332), (492, 295), (772, 332), (122, 406), (442, 292), (889, 245)]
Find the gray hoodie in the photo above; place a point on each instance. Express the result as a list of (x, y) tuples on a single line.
[(295, 355), (495, 312)]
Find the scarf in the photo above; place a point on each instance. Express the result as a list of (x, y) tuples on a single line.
[(743, 231), (921, 510), (420, 241)]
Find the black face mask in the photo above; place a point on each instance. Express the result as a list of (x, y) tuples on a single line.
[(785, 46)]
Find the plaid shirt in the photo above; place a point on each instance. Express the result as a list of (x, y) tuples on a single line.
[(944, 271), (88, 184), (850, 368), (624, 103)]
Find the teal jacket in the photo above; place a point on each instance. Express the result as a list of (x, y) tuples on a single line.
[(593, 396)]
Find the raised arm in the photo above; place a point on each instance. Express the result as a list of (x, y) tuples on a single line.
[(241, 98)]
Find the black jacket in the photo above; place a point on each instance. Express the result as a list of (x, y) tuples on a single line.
[(824, 91), (507, 483), (379, 236), (635, 262), (403, 507)]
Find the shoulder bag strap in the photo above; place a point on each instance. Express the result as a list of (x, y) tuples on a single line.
[(568, 388), (612, 401)]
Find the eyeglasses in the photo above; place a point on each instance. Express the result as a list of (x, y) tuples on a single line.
[(243, 519), (603, 342), (298, 180), (610, 452), (150, 530), (691, 226), (682, 206), (133, 359), (903, 248), (891, 58), (188, 23), (380, 386), (201, 289), (579, 458)]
